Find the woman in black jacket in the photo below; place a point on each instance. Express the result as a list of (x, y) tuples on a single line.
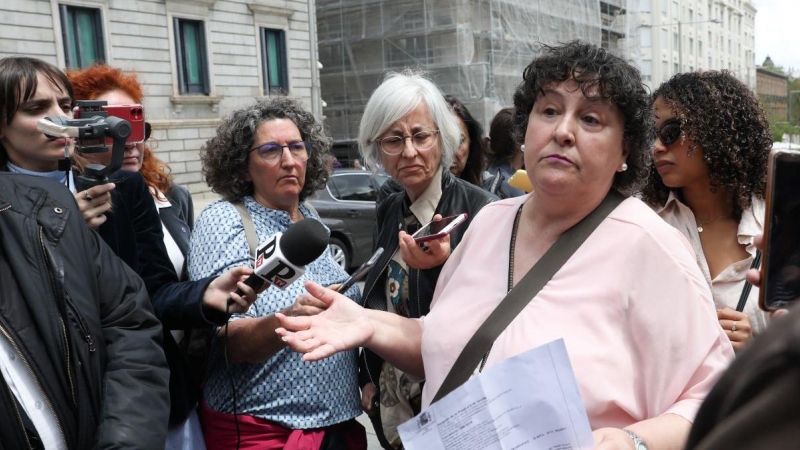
[(409, 130), (80, 321), (33, 89)]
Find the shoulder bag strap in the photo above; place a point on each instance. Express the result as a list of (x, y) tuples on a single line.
[(747, 285), (523, 293), (249, 228)]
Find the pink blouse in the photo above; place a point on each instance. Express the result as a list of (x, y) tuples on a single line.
[(634, 310)]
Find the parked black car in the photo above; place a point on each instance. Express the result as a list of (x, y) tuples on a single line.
[(347, 206)]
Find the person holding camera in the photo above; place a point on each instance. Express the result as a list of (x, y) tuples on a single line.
[(34, 89), (174, 203), (708, 180)]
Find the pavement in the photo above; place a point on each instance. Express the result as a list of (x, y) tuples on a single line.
[(372, 439), (203, 200)]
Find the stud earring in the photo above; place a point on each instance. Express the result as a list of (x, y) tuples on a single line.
[(624, 167), (522, 147)]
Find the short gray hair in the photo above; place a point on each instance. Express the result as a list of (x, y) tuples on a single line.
[(398, 95)]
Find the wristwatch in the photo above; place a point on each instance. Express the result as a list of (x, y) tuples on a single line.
[(638, 443)]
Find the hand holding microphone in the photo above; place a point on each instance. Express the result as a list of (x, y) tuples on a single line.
[(282, 259)]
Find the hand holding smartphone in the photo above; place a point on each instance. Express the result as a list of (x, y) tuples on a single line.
[(780, 273), (361, 272), (438, 229)]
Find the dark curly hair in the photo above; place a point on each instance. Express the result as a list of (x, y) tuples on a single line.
[(722, 116), (601, 76), (225, 156), (473, 169)]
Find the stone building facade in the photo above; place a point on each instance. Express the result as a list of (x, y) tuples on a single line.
[(196, 59)]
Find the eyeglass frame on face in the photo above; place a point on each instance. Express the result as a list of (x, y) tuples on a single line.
[(402, 141), (272, 160), (669, 123)]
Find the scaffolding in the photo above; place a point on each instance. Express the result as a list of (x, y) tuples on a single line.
[(473, 49)]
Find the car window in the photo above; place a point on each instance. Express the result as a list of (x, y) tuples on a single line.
[(353, 187), (380, 179)]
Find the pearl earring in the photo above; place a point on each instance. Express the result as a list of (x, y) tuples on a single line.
[(624, 167), (522, 147)]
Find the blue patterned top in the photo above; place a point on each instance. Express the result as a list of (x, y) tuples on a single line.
[(283, 389)]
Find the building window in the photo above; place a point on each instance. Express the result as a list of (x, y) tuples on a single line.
[(664, 39), (647, 70), (691, 46), (190, 51), (675, 42), (664, 69), (273, 57), (82, 30), (646, 38)]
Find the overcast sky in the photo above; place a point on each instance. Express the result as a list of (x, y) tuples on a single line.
[(778, 32)]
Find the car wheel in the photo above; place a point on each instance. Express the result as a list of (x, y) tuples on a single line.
[(339, 253)]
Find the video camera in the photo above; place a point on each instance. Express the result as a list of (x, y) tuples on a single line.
[(95, 126)]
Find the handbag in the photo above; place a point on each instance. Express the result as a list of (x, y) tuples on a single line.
[(523, 293)]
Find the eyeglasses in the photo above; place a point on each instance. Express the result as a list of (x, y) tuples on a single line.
[(670, 131), (422, 141), (272, 152)]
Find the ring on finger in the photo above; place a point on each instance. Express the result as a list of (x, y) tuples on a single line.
[(88, 196), (733, 326)]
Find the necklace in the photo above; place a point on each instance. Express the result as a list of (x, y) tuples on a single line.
[(700, 225)]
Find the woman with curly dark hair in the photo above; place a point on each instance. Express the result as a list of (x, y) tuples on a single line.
[(708, 180), (269, 157), (585, 119), (468, 160)]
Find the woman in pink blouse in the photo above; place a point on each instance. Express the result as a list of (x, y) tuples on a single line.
[(631, 303), (708, 180)]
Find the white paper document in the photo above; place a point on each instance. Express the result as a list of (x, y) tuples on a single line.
[(530, 401)]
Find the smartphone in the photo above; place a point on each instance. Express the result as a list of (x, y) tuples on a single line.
[(780, 272), (361, 272), (439, 229), (134, 114)]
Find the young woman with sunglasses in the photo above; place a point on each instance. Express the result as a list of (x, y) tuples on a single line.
[(708, 179)]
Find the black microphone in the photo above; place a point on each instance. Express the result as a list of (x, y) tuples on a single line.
[(282, 259)]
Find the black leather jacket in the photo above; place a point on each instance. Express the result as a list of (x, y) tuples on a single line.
[(458, 196), (82, 320)]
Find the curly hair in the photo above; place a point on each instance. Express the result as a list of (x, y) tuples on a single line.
[(100, 79), (473, 169), (19, 80), (601, 76), (721, 116), (225, 156)]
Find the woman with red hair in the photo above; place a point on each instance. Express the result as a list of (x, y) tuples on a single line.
[(175, 208), (102, 82)]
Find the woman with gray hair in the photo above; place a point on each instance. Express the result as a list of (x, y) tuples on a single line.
[(409, 130), (270, 157)]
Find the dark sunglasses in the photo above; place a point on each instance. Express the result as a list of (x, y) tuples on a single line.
[(670, 131), (147, 130)]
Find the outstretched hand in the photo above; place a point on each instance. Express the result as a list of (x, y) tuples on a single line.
[(344, 325)]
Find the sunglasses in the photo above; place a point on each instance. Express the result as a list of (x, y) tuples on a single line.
[(670, 131)]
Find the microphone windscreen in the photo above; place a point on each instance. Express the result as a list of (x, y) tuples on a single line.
[(304, 241)]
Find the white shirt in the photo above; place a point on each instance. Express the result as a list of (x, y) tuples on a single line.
[(727, 285), (23, 386), (174, 252)]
